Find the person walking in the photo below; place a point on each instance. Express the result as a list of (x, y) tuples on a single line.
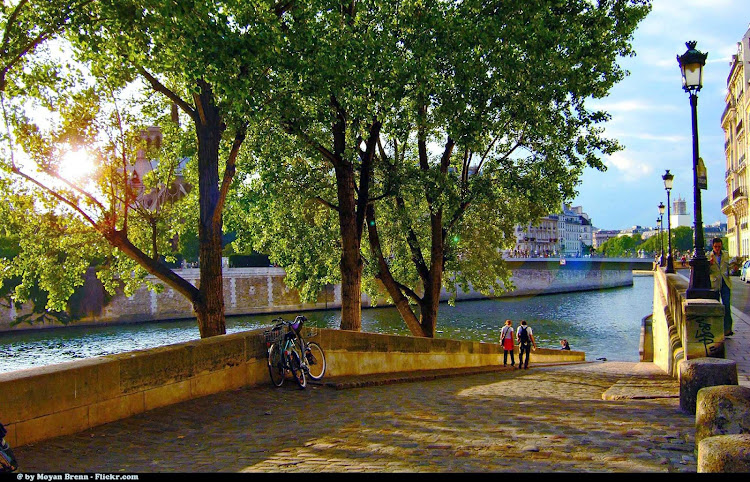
[(525, 339), (506, 338), (719, 274)]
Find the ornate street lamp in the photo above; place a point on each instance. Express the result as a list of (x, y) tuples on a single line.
[(691, 64), (668, 178), (661, 236)]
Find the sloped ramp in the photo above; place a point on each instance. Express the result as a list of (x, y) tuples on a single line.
[(648, 382)]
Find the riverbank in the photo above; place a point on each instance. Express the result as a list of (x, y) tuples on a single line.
[(604, 324), (251, 291), (45, 402)]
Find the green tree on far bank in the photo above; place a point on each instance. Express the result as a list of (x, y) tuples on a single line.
[(621, 246)]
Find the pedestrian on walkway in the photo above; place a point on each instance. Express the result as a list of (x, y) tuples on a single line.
[(525, 339), (719, 274), (506, 338)]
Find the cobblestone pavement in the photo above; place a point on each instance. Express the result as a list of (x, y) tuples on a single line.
[(738, 346), (536, 420)]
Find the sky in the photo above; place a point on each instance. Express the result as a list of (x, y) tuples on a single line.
[(651, 116)]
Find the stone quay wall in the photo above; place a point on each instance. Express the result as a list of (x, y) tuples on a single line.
[(682, 328), (262, 290), (46, 402)]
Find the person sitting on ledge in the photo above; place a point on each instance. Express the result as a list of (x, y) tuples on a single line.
[(564, 344)]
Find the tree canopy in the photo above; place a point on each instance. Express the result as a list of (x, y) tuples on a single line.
[(209, 61), (458, 120)]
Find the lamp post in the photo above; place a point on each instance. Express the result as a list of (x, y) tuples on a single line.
[(691, 64), (658, 240), (668, 178), (661, 236)]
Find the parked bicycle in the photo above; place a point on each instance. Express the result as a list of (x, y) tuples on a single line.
[(7, 459), (288, 351)]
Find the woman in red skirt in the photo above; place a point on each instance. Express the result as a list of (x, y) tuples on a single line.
[(506, 338)]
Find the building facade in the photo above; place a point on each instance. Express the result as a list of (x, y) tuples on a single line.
[(680, 215), (602, 235), (734, 122), (567, 233)]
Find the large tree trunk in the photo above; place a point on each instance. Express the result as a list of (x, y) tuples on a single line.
[(209, 306), (434, 282), (351, 257), (386, 277)]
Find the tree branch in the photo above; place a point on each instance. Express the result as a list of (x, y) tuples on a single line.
[(446, 158), (366, 174), (413, 242), (229, 171), (159, 87), (409, 292), (56, 194), (293, 129), (119, 240), (325, 203)]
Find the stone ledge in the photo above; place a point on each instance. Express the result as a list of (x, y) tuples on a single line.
[(346, 382), (639, 388)]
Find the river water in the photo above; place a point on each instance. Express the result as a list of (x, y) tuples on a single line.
[(604, 324)]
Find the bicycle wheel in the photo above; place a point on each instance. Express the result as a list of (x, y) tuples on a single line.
[(316, 361), (297, 371), (276, 365)]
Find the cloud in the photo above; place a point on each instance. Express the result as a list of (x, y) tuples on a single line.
[(632, 170), (633, 106), (658, 138)]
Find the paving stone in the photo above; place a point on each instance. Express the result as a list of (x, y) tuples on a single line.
[(471, 421)]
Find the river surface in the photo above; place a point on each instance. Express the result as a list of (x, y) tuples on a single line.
[(604, 324)]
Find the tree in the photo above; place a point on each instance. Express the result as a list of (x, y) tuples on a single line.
[(28, 24), (682, 238), (513, 129), (216, 72), (449, 122), (621, 246), (339, 85)]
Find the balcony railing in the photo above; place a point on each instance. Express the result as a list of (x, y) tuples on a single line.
[(739, 127), (727, 173), (743, 226), (725, 202), (738, 193), (730, 230)]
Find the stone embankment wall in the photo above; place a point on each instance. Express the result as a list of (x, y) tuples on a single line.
[(262, 290), (682, 328), (45, 402)]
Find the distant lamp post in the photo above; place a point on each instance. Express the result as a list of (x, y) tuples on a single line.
[(668, 178), (691, 64), (663, 260)]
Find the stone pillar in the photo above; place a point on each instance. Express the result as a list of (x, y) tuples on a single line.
[(722, 410), (703, 328), (724, 453), (703, 372)]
